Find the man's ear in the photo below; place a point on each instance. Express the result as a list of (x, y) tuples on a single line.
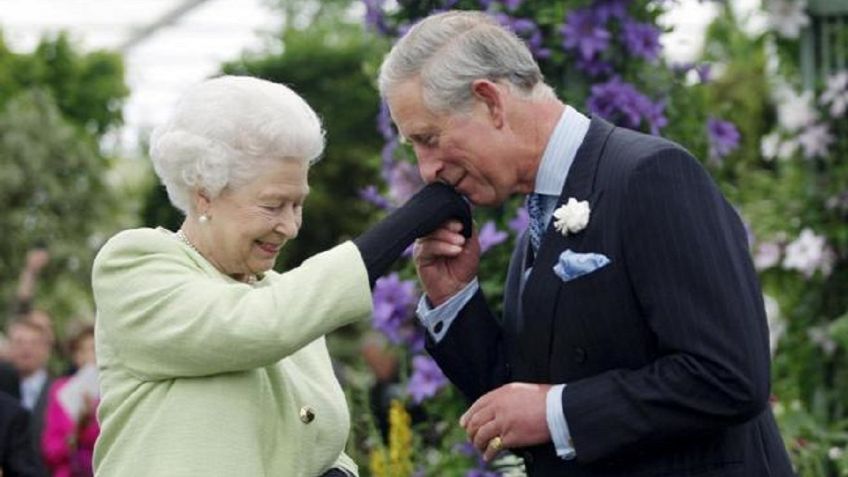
[(492, 95)]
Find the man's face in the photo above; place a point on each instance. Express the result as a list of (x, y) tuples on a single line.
[(29, 348), (465, 150)]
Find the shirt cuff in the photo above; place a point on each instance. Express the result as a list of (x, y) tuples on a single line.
[(438, 320), (557, 425)]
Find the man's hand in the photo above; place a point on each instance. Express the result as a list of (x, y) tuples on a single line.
[(516, 412), (446, 261)]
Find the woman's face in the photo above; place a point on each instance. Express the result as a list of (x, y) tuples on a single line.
[(248, 225), (84, 351)]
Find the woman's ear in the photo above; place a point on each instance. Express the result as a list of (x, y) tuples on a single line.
[(202, 202), (490, 94)]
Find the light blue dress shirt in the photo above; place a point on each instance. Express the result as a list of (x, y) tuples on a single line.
[(556, 161)]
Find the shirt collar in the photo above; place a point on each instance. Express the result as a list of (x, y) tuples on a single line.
[(31, 387), (560, 152)]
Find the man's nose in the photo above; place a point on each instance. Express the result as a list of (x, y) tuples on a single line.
[(428, 166)]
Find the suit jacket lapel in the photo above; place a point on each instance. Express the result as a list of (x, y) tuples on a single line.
[(542, 289)]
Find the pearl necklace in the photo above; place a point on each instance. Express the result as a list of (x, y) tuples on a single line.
[(251, 278), (181, 235)]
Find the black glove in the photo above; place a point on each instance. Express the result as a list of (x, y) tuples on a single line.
[(432, 206), (336, 472)]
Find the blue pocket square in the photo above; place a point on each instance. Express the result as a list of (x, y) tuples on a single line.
[(572, 264)]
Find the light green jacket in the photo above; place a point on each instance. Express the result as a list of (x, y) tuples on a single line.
[(202, 375)]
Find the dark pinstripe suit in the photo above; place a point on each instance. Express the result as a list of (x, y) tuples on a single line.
[(664, 350)]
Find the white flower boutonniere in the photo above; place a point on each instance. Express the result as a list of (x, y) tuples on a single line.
[(572, 217)]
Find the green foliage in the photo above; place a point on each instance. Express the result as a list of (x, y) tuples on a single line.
[(53, 190), (55, 104), (88, 88)]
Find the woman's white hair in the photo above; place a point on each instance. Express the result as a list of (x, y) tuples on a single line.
[(225, 129), (450, 50)]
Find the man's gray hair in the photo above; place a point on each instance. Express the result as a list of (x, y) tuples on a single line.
[(225, 130), (449, 51)]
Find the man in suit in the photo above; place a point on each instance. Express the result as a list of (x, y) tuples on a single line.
[(633, 340), (29, 346), (18, 458)]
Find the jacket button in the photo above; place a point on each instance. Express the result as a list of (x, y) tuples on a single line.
[(528, 459), (307, 415), (579, 355)]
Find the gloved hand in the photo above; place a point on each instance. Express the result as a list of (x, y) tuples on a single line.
[(432, 206)]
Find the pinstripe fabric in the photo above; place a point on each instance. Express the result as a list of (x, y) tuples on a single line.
[(664, 350)]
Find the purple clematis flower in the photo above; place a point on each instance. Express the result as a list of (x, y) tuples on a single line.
[(481, 473), (372, 195), (387, 155), (404, 181), (528, 31), (641, 39), (512, 5), (585, 34), (704, 71), (426, 380), (394, 300), (622, 103), (724, 138), (594, 67), (375, 17), (490, 236), (655, 115), (520, 222), (384, 122), (609, 9)]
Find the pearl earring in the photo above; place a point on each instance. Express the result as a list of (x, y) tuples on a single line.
[(203, 218)]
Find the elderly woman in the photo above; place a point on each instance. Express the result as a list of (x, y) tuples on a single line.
[(210, 362)]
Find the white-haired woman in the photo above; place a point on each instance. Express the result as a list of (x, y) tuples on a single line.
[(212, 363)]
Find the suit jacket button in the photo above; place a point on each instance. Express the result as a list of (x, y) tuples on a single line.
[(579, 355), (307, 415), (528, 458)]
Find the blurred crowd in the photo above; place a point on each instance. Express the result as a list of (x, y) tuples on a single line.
[(48, 387)]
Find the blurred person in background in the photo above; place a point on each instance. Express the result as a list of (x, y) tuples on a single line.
[(18, 457), (212, 363), (29, 352), (9, 381), (70, 427)]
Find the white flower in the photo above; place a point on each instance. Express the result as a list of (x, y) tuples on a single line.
[(820, 336), (835, 453), (770, 145), (809, 253), (794, 111), (814, 140), (836, 94), (776, 324), (774, 146), (767, 255), (572, 217), (787, 150), (787, 17)]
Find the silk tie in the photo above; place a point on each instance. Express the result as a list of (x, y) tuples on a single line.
[(536, 212)]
